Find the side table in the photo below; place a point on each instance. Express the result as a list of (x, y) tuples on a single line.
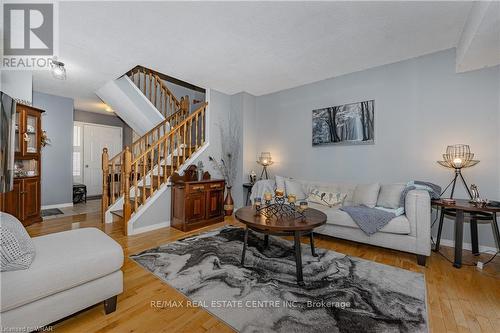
[(458, 210)]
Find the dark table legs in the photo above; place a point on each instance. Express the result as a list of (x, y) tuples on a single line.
[(311, 240), (296, 247), (298, 258), (473, 235), (245, 241), (496, 233), (440, 229), (459, 233)]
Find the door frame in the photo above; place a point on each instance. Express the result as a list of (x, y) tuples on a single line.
[(82, 159)]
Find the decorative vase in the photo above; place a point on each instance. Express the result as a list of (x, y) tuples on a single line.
[(228, 203)]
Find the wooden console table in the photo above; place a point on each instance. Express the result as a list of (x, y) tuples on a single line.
[(458, 210)]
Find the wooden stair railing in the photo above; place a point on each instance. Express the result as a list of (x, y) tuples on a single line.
[(112, 172), (141, 144), (143, 174), (152, 86)]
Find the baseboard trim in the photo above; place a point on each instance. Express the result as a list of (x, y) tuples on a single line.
[(149, 228), (63, 205), (468, 246)]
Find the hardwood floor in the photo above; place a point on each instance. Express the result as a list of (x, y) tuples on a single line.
[(459, 300)]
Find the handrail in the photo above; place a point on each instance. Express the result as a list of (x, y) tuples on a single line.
[(154, 134), (155, 90), (193, 115)]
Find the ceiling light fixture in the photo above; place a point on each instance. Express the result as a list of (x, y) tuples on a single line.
[(108, 109), (58, 70)]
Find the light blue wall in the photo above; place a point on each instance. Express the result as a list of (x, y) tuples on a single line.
[(421, 106), (57, 163), (180, 91)]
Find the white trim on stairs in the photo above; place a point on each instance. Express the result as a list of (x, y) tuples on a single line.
[(150, 201), (150, 228)]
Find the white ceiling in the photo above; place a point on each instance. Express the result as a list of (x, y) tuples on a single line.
[(257, 47)]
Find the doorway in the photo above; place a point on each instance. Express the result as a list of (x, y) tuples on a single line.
[(88, 143)]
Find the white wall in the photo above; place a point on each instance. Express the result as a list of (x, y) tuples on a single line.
[(17, 84), (421, 106)]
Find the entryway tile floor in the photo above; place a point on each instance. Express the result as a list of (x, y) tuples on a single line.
[(91, 206)]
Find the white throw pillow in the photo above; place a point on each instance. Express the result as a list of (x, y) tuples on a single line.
[(295, 188), (390, 195), (366, 195), (17, 250), (326, 198), (280, 182)]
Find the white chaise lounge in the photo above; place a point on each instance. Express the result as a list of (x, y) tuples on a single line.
[(72, 270)]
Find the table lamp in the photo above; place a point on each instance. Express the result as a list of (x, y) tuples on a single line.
[(458, 157), (265, 160)]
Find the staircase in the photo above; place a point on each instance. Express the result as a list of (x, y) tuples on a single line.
[(137, 175)]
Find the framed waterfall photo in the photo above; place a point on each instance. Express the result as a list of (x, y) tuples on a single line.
[(344, 124)]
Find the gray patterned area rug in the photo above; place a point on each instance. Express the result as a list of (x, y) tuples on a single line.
[(342, 293)]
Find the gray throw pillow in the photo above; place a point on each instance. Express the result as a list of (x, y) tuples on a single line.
[(17, 250), (390, 195)]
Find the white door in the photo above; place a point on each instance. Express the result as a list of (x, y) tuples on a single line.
[(95, 138)]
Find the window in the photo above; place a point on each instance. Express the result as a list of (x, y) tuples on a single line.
[(77, 161), (77, 153)]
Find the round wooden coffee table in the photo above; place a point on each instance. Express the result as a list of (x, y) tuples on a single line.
[(295, 227)]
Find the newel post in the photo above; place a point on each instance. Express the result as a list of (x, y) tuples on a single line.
[(127, 206), (105, 190), (185, 105)]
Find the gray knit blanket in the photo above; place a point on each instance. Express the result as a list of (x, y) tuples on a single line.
[(370, 220)]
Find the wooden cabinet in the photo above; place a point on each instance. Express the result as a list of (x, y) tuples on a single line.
[(24, 201), (197, 203)]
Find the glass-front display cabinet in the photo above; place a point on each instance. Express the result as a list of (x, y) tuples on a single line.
[(28, 133), (24, 201)]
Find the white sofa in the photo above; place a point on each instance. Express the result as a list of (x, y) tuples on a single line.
[(409, 232), (72, 270)]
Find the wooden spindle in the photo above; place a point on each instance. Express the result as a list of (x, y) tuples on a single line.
[(158, 167), (105, 172), (144, 178), (184, 144), (190, 121), (171, 154), (144, 81), (151, 190), (127, 166), (196, 133), (136, 195), (165, 161), (156, 88), (113, 182), (202, 126)]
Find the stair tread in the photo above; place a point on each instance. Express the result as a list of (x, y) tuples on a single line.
[(118, 213)]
